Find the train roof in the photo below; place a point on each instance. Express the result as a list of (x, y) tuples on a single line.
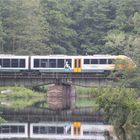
[(13, 56), (79, 56), (98, 56)]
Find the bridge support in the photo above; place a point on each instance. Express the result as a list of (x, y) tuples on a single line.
[(61, 96)]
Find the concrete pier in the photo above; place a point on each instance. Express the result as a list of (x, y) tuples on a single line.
[(61, 96)]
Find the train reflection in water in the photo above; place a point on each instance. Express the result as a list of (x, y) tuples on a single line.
[(56, 130)]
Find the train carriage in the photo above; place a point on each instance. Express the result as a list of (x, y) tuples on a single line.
[(62, 63), (98, 63), (52, 63), (12, 63), (93, 64)]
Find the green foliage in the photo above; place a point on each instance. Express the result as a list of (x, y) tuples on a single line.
[(41, 89), (120, 105), (2, 120), (24, 27), (133, 80), (60, 31), (19, 97), (70, 27)]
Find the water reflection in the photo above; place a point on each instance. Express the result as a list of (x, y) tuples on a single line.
[(66, 131), (57, 131)]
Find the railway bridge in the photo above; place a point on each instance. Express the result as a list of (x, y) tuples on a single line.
[(37, 79), (60, 95)]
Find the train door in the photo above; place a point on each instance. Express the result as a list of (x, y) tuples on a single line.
[(77, 128), (77, 65)]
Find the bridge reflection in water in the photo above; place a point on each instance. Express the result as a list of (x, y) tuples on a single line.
[(57, 131)]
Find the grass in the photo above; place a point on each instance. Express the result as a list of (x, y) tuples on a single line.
[(19, 97)]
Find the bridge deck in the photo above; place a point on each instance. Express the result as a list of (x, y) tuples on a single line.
[(53, 75), (33, 79)]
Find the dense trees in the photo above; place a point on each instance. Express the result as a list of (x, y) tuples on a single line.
[(23, 28), (61, 35), (120, 105), (70, 27)]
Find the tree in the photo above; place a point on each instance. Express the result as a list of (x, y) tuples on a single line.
[(24, 26), (92, 20), (1, 30), (60, 31), (120, 105)]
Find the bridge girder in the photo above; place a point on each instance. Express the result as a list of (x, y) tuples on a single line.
[(33, 80)]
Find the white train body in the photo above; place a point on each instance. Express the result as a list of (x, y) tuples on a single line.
[(63, 63), (75, 62), (12, 63)]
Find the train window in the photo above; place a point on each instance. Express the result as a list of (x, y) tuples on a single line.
[(75, 63), (22, 63), (35, 129), (103, 61), (60, 63), (94, 61), (21, 129), (14, 129), (6, 63), (44, 63), (46, 129), (86, 61), (60, 130), (52, 63), (110, 61), (51, 130), (36, 63), (79, 63), (5, 129), (69, 62), (78, 130), (14, 63), (0, 62), (89, 132), (42, 130), (75, 130)]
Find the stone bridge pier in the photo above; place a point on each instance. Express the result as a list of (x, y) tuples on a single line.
[(61, 96)]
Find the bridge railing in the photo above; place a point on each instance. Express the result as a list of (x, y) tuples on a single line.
[(53, 75)]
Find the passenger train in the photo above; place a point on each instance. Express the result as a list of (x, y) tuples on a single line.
[(64, 63), (54, 130)]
